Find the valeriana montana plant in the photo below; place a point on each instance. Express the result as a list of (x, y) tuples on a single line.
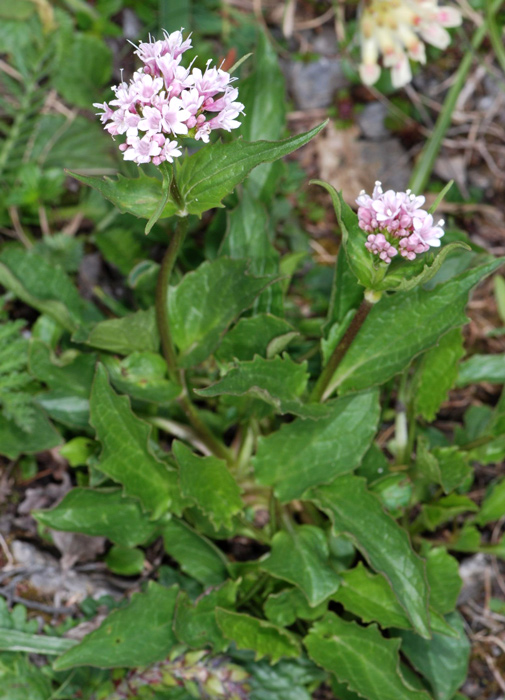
[(396, 31), (245, 433)]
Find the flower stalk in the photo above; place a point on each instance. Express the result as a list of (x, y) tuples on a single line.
[(322, 388)]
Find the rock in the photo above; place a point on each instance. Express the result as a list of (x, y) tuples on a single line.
[(371, 122), (314, 84), (351, 164), (471, 571), (44, 573)]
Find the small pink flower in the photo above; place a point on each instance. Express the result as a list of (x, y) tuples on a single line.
[(427, 232), (377, 244)]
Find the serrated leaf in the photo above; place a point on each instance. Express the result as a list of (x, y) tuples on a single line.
[(116, 642), (286, 607), (279, 382), (358, 514), (482, 368), (99, 513), (208, 483), (138, 196), (443, 660), (196, 555), (204, 178), (370, 597), (214, 171), (206, 301), (195, 623), (126, 457), (45, 287), (437, 373), (305, 453), (446, 466), (382, 348), (444, 580), (301, 557), (444, 509), (262, 637), (134, 333), (253, 336), (361, 658)]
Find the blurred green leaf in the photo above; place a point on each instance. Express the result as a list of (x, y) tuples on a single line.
[(134, 333), (100, 513), (254, 336), (197, 556), (493, 505), (482, 368), (286, 607), (125, 561), (85, 66), (116, 642), (262, 637), (207, 482)]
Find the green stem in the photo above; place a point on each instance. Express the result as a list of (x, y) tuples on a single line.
[(424, 166), (217, 448), (165, 273), (401, 425), (320, 391)]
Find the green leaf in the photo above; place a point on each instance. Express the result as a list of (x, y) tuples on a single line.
[(138, 196), (207, 482), (116, 642), (99, 513), (370, 597), (206, 301), (255, 336), (493, 505), (444, 509), (358, 514), (142, 375), (196, 555), (290, 679), (19, 676), (13, 640), (134, 333), (263, 96), (482, 368), (346, 293), (249, 237), (126, 457), (42, 435), (361, 658), (279, 382), (446, 466), (203, 178), (257, 635), (214, 171), (301, 557), (195, 623), (443, 661), (125, 561), (305, 453), (353, 237), (383, 348), (286, 607), (45, 287), (444, 580), (86, 65), (437, 373)]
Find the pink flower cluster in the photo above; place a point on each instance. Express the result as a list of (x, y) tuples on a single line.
[(165, 100), (397, 224)]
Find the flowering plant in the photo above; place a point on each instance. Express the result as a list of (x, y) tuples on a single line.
[(165, 101), (397, 30), (253, 436)]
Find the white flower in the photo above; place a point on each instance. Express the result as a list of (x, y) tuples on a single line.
[(397, 30)]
